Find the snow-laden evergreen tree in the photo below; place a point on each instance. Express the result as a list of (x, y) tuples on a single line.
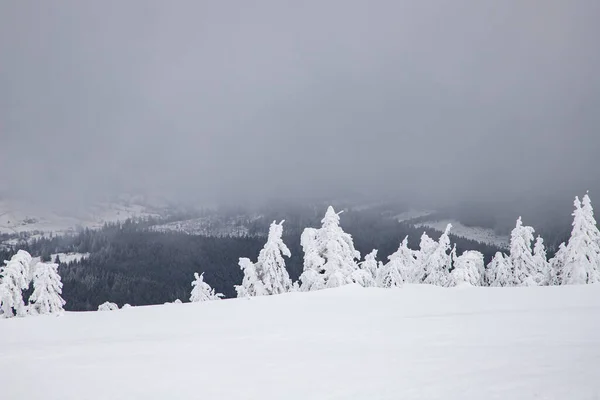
[(271, 265), (401, 268), (408, 261), (390, 274), (47, 288), (543, 274), (467, 269), (370, 264), (366, 273), (15, 277), (582, 258), (251, 284), (427, 246), (108, 306), (329, 255), (438, 264), (556, 265), (201, 291), (499, 272), (521, 255)]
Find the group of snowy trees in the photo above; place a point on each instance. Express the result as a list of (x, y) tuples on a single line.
[(330, 260), (16, 277)]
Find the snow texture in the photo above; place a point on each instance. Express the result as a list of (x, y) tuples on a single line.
[(418, 342)]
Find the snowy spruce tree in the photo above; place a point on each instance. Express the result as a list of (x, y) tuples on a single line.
[(270, 267), (582, 255), (370, 264), (401, 267), (521, 255), (47, 290), (467, 269), (499, 272), (438, 264), (556, 265), (15, 277), (329, 255), (201, 291), (366, 273), (251, 284), (426, 248), (543, 274)]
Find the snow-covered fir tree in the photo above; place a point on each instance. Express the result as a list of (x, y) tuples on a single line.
[(366, 273), (47, 289), (108, 306), (467, 269), (521, 255), (426, 248), (370, 264), (401, 267), (438, 264), (251, 284), (15, 277), (582, 256), (390, 274), (329, 255), (543, 274), (270, 267), (499, 272), (409, 267), (201, 291), (556, 265)]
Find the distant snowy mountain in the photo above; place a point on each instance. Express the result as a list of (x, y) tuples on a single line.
[(416, 342)]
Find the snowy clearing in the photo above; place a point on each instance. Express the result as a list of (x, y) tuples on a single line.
[(412, 214), (351, 343), (478, 234)]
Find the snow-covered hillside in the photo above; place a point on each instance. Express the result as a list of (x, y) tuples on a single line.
[(416, 342), (476, 233), (17, 218), (212, 225)]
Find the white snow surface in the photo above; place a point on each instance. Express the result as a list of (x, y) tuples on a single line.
[(415, 342), (479, 234)]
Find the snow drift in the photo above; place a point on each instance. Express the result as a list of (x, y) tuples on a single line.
[(346, 343)]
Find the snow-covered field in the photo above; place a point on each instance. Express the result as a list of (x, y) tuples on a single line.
[(479, 234), (417, 342)]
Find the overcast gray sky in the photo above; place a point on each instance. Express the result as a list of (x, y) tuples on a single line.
[(442, 100)]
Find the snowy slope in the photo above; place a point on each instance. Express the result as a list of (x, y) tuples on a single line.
[(418, 342), (16, 217), (212, 225), (479, 234)]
